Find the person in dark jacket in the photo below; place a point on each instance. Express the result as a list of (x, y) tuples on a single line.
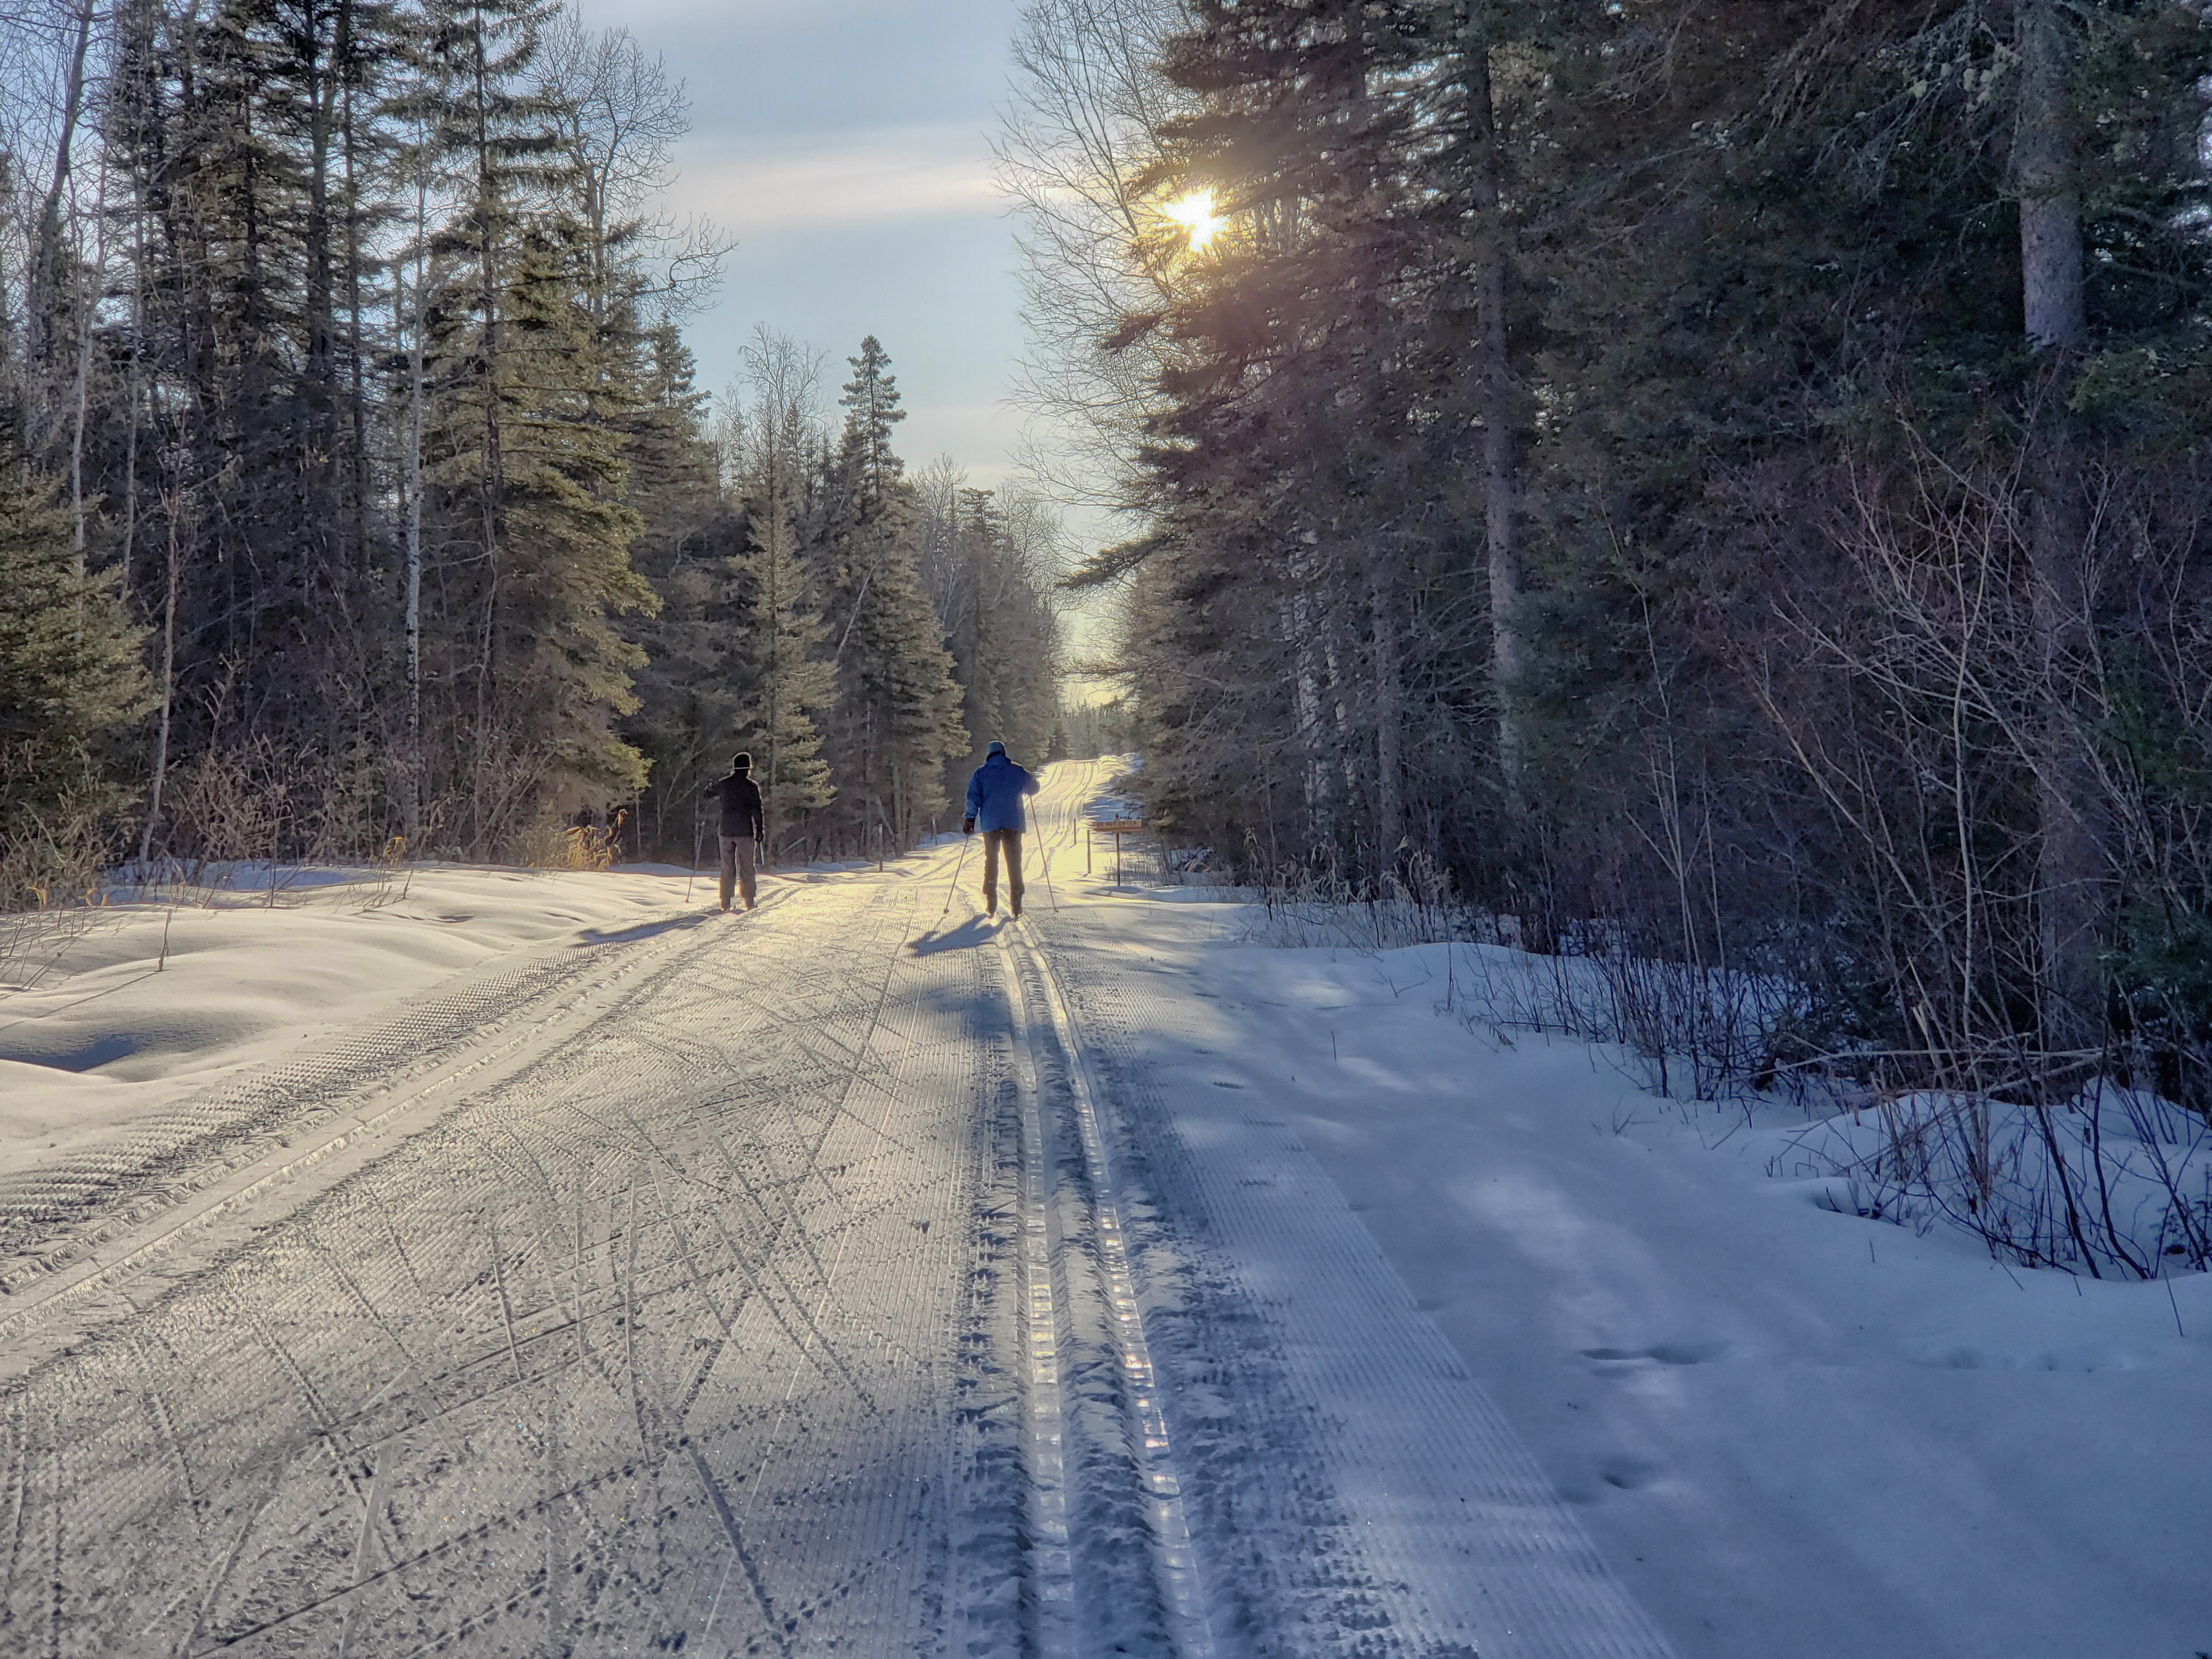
[(743, 827), (994, 804)]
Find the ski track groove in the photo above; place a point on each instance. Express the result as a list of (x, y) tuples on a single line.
[(1409, 1432), (19, 1480), (777, 1309), (840, 1296), (1053, 1593), (1143, 1463)]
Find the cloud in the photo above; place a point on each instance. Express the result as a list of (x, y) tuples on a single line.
[(751, 186)]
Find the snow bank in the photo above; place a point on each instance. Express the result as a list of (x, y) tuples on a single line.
[(2114, 1182), (1792, 1429), (142, 1004)]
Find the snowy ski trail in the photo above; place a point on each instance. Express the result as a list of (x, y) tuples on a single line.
[(1174, 1560), (1425, 1526), (827, 1279), (119, 1193), (653, 1337)]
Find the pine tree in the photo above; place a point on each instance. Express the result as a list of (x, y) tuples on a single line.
[(1306, 451), (532, 540), (991, 589), (783, 686), (897, 719), (72, 687), (689, 549)]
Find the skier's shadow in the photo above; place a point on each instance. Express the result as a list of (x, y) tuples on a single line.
[(592, 936), (976, 929)]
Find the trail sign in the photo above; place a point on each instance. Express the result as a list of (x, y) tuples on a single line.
[(1116, 827)]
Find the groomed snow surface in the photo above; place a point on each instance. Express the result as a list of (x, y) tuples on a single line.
[(484, 1261)]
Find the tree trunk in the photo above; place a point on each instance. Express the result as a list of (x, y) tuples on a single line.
[(1494, 394), (45, 284), (320, 76), (1299, 626), (1389, 704), (492, 484), (347, 63), (82, 401), (169, 693), (411, 799), (774, 611), (2043, 173), (2070, 875)]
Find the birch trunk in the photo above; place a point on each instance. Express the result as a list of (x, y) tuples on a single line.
[(412, 798)]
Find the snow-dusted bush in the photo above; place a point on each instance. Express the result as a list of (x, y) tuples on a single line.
[(1712, 1033), (2115, 1182), (1301, 907)]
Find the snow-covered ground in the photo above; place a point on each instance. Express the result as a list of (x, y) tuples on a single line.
[(150, 1001), (1789, 1430), (539, 1263)]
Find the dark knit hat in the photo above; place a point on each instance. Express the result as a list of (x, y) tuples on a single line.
[(744, 763), (996, 749)]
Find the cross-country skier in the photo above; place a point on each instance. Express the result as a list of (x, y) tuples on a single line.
[(994, 803), (744, 828)]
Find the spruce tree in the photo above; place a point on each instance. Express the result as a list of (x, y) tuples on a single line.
[(689, 549), (72, 687), (998, 621), (898, 718), (1302, 458), (530, 545), (782, 684)]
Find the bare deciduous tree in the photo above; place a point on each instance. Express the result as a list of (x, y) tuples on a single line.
[(1089, 110), (620, 118)]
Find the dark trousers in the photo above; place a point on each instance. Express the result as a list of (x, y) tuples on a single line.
[(1011, 841), (737, 868)]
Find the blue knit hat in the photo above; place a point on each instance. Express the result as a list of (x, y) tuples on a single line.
[(996, 749)]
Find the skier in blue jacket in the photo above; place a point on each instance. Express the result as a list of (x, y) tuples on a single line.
[(994, 803)]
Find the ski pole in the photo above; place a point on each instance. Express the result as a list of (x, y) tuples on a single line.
[(698, 832), (958, 867)]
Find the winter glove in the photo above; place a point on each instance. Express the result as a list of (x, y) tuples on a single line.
[(967, 826)]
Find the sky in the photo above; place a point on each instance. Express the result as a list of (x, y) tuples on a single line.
[(846, 144)]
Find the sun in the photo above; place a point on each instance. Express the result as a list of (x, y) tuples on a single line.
[(1195, 210)]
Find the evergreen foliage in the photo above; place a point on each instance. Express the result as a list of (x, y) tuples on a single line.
[(347, 330), (898, 707), (785, 685), (1661, 463), (990, 571), (71, 688)]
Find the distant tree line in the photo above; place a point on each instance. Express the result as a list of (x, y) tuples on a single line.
[(354, 484), (860, 631), (1733, 479)]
